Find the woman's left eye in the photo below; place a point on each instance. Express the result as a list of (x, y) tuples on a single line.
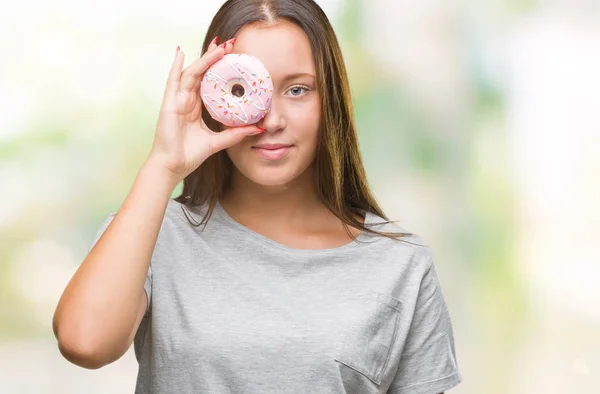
[(298, 90)]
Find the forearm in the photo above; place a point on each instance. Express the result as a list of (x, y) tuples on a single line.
[(97, 311)]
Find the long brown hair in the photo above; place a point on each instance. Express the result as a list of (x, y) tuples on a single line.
[(339, 175)]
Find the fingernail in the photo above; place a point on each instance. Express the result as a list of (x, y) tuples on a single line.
[(177, 49), (214, 41), (231, 41), (261, 128)]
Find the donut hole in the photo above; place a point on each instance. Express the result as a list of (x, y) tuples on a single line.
[(238, 90)]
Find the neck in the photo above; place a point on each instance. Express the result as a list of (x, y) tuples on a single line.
[(292, 204)]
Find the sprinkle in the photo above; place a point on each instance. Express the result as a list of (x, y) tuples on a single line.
[(253, 83), (215, 86), (225, 113), (268, 99)]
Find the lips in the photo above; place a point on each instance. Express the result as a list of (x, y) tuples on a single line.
[(272, 152), (271, 146)]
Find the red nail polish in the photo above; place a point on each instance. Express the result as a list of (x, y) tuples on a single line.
[(214, 41), (233, 40), (177, 48), (261, 128), (224, 44)]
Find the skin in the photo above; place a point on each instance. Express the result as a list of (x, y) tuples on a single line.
[(277, 198), (103, 304)]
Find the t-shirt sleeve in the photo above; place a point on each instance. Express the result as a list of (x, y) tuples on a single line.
[(148, 282), (428, 362)]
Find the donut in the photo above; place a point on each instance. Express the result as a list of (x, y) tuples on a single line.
[(237, 90)]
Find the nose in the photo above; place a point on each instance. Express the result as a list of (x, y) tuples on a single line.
[(274, 120)]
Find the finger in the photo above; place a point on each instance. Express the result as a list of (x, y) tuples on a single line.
[(234, 135), (192, 75), (213, 44), (211, 47), (173, 80), (198, 79)]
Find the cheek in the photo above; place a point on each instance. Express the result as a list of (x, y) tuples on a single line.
[(304, 120), (236, 154)]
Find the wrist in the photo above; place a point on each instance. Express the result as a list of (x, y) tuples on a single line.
[(160, 174)]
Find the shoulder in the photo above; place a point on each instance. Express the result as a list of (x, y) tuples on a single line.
[(180, 214), (408, 259), (410, 245), (173, 219), (188, 221), (181, 222), (175, 213)]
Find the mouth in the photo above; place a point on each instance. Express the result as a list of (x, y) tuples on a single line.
[(273, 153)]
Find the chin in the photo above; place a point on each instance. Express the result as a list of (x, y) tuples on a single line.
[(271, 173), (266, 176)]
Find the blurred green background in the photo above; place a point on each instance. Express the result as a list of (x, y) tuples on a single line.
[(480, 131)]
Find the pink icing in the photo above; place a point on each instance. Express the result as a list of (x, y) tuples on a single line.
[(221, 77)]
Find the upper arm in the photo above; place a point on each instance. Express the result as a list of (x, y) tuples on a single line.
[(145, 299), (143, 306), (428, 359)]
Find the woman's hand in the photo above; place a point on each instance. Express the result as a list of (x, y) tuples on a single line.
[(182, 140)]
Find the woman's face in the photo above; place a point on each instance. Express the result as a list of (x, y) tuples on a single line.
[(294, 117)]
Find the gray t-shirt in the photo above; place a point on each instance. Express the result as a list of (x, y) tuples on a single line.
[(232, 311)]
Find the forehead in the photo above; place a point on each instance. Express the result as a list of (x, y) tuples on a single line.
[(283, 48)]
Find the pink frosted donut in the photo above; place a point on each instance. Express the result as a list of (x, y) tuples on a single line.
[(237, 90)]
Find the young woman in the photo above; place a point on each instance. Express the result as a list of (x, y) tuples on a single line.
[(296, 282)]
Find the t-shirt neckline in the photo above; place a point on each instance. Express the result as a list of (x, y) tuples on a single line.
[(274, 244)]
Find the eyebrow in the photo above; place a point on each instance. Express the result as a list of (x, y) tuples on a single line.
[(297, 75)]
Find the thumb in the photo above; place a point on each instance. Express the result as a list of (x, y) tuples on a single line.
[(234, 135)]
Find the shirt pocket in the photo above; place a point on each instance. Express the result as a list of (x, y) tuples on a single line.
[(366, 342)]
